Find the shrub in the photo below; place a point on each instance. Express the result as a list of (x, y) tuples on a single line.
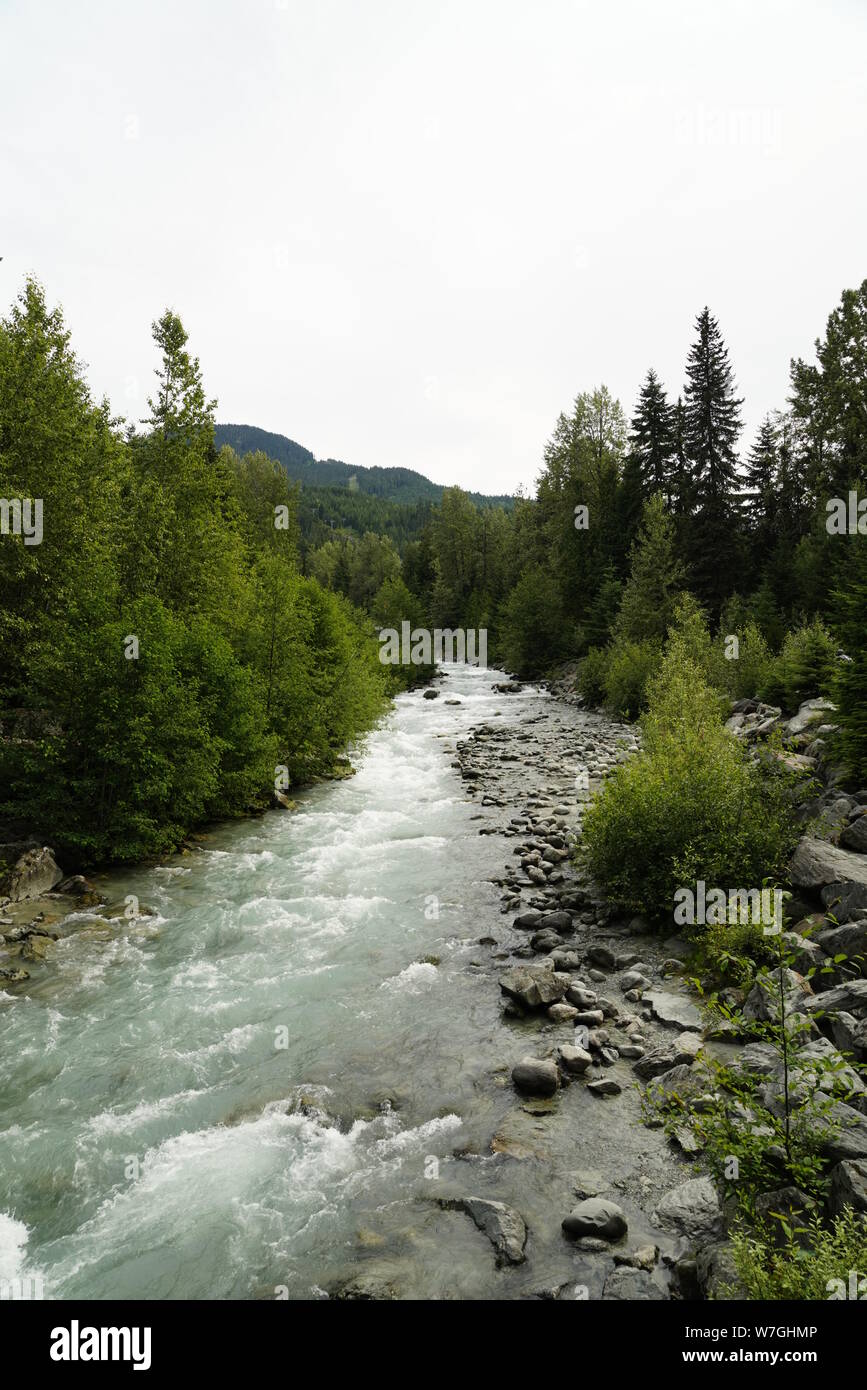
[(690, 804), (750, 672), (630, 666), (815, 1263), (804, 668), (591, 675)]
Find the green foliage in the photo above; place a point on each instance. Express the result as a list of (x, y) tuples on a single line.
[(535, 632), (691, 805), (850, 683), (656, 576), (804, 668), (629, 667), (592, 673), (812, 1263), (113, 752)]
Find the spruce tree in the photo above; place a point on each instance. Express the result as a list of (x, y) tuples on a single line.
[(712, 426), (655, 579), (652, 437), (761, 477)]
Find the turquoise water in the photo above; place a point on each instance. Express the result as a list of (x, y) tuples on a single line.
[(158, 1141)]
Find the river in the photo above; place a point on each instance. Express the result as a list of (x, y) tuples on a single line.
[(264, 1088)]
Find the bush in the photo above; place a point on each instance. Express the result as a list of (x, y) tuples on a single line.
[(805, 667), (630, 666), (750, 672), (592, 672), (812, 1264), (690, 804)]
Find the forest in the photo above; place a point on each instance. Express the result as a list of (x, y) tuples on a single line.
[(195, 619)]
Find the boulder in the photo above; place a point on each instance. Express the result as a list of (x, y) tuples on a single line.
[(27, 875), (536, 1076), (574, 1059), (674, 1010), (849, 997), (716, 1272), (848, 1186), (535, 986), (596, 1216), (810, 712), (692, 1210), (837, 875), (844, 1133), (632, 1285), (504, 1227), (854, 837)]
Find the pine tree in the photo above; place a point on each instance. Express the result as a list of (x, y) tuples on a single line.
[(712, 426), (652, 437)]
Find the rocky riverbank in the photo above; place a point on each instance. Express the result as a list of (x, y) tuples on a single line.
[(603, 1008)]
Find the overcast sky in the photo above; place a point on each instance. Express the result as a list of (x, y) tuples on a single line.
[(408, 232)]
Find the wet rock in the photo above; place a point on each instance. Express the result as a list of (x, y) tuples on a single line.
[(574, 1059), (644, 1257), (633, 1285), (536, 1076), (589, 1182), (562, 1013), (606, 1087), (504, 1227), (596, 1216), (11, 976), (674, 1010), (535, 986)]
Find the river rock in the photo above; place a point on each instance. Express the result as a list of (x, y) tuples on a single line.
[(854, 837), (562, 1013), (596, 1216), (674, 1010), (632, 1285), (606, 1087), (29, 874), (849, 997), (574, 1059), (504, 1227), (536, 1076), (602, 956), (692, 1210), (535, 986)]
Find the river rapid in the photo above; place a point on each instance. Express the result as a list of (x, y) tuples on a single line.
[(265, 1088)]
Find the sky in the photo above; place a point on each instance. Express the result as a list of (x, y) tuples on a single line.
[(409, 232)]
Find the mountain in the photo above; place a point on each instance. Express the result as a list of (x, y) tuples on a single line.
[(391, 484)]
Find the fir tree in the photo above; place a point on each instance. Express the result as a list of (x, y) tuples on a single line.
[(712, 426), (652, 437)]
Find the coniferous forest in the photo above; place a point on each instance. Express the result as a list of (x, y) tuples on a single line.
[(255, 598)]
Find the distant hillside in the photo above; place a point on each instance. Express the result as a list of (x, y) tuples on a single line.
[(391, 484)]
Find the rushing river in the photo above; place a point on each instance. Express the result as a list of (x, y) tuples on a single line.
[(248, 1091)]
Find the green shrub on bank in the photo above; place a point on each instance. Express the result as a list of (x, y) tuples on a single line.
[(592, 672), (804, 668), (629, 668), (690, 805), (815, 1263)]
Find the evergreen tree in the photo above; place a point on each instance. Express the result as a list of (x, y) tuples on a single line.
[(652, 437), (712, 426), (761, 481), (655, 579)]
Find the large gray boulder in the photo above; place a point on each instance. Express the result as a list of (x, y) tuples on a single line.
[(854, 837), (535, 986), (848, 1186), (674, 1010), (28, 874), (810, 712), (837, 875), (692, 1210), (504, 1227), (849, 997)]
